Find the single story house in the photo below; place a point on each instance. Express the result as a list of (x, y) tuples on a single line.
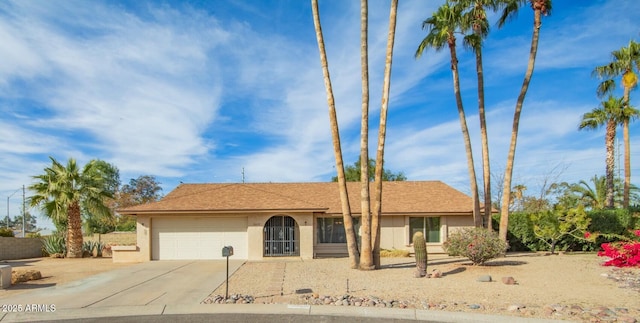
[(259, 220)]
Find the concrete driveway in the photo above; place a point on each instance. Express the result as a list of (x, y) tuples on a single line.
[(149, 283)]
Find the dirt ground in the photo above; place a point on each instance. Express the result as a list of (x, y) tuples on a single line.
[(570, 286)]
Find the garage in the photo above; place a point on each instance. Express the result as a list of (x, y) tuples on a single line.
[(184, 238)]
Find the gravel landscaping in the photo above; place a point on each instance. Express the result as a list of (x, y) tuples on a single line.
[(570, 286)]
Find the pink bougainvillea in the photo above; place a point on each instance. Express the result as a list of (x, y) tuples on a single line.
[(637, 233), (621, 254)]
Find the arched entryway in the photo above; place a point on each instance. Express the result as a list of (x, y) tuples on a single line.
[(281, 237)]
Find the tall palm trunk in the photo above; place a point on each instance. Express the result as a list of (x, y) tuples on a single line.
[(477, 219), (366, 256), (74, 233), (352, 243), (609, 139), (508, 173), (382, 131), (627, 151), (486, 170)]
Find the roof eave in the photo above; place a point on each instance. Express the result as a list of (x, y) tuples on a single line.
[(216, 211)]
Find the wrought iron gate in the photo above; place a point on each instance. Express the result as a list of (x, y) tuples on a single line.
[(280, 237)]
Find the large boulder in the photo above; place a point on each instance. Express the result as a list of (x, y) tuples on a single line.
[(20, 275)]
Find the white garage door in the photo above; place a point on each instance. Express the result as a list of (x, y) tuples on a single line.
[(197, 237)]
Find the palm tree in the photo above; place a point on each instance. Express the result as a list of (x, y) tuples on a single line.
[(518, 196), (366, 252), (475, 19), (352, 243), (625, 61), (382, 130), (609, 113), (64, 189), (540, 7), (594, 197), (442, 26)]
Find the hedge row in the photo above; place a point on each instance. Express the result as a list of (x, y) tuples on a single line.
[(606, 222)]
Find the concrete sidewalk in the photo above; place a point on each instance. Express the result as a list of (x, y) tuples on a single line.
[(272, 309)]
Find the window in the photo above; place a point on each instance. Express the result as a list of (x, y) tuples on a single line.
[(331, 230), (430, 227)]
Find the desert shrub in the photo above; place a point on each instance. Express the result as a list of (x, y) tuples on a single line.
[(477, 244), (54, 245), (551, 227), (90, 246), (394, 253), (4, 232), (33, 235)]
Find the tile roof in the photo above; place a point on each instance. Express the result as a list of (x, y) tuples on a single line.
[(397, 197)]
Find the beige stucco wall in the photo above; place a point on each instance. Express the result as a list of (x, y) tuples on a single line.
[(255, 225), (458, 222), (142, 252), (394, 232), (255, 234)]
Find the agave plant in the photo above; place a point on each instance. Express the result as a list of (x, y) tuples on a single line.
[(90, 246), (54, 245)]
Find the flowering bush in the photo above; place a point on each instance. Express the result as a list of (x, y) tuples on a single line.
[(477, 244), (622, 254)]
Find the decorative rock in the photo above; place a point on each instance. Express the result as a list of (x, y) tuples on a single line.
[(570, 312), (548, 310), (484, 278), (19, 276), (508, 280), (627, 319), (435, 274)]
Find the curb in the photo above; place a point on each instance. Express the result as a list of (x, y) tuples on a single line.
[(272, 309)]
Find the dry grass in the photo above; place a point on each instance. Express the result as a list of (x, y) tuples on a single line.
[(394, 253)]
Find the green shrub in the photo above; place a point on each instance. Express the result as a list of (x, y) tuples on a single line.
[(477, 244), (520, 234), (608, 225), (4, 232), (552, 227), (54, 245)]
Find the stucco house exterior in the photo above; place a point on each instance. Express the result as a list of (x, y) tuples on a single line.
[(260, 220)]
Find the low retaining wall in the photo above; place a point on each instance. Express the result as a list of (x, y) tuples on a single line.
[(20, 248), (114, 238)]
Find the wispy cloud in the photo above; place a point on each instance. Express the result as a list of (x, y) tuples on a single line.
[(197, 92)]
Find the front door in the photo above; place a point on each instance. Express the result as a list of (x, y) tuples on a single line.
[(280, 237)]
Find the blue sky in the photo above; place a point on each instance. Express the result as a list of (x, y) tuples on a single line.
[(195, 91)]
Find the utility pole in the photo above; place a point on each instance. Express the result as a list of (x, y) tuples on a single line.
[(24, 215), (8, 197), (242, 175)]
